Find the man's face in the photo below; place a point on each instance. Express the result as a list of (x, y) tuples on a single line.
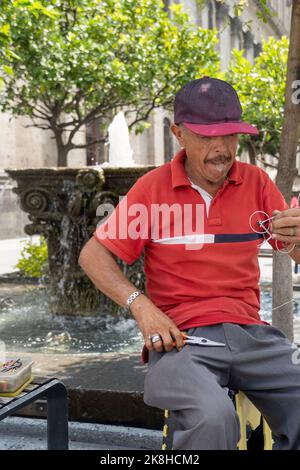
[(210, 157)]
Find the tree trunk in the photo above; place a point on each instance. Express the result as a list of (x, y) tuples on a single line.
[(282, 317), (282, 273), (251, 153), (62, 149), (62, 155)]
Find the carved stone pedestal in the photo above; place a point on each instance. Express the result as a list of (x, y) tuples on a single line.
[(62, 204)]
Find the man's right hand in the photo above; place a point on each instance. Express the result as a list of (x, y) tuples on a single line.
[(151, 320)]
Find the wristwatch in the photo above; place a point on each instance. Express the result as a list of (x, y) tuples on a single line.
[(132, 297)]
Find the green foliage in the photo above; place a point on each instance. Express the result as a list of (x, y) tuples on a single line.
[(261, 89), (239, 6), (88, 58), (34, 258), (264, 12), (7, 11)]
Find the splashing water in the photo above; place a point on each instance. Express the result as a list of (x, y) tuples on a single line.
[(120, 152), (26, 325)]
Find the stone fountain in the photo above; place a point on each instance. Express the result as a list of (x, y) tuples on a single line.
[(62, 204)]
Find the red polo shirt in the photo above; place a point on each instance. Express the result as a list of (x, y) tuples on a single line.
[(197, 276)]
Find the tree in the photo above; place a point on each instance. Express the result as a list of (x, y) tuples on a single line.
[(86, 59), (283, 287), (6, 12), (287, 152), (261, 87)]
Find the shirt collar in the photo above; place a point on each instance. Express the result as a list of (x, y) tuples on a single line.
[(180, 178)]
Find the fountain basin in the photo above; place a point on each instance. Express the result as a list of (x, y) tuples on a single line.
[(26, 326)]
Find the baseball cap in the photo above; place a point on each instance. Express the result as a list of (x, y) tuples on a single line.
[(210, 107)]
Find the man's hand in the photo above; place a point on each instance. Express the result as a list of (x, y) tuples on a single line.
[(286, 226), (151, 320)]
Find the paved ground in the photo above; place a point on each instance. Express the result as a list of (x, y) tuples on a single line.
[(99, 371), (31, 434)]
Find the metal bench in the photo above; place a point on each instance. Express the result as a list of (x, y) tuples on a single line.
[(57, 409)]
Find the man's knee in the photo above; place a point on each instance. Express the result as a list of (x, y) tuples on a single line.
[(216, 415), (153, 396)]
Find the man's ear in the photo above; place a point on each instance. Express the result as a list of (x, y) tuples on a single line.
[(179, 134)]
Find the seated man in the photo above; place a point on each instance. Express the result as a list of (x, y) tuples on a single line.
[(200, 220)]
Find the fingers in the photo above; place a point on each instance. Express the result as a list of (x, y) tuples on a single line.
[(167, 342), (177, 335), (148, 343), (155, 323), (286, 231), (286, 234), (284, 222), (286, 226), (168, 339), (286, 239), (157, 345), (287, 213)]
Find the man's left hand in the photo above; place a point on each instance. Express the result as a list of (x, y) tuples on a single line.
[(286, 226)]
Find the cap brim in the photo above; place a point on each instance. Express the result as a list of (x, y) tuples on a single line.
[(224, 128)]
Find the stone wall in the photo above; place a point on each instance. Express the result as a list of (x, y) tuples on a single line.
[(13, 219)]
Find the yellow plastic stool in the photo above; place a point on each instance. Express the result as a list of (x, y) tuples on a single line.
[(165, 430), (247, 413)]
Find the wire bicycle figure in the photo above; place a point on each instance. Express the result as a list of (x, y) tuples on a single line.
[(260, 222)]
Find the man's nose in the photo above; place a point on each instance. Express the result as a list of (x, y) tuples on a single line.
[(219, 144)]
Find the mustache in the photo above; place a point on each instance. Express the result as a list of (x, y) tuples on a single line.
[(221, 158)]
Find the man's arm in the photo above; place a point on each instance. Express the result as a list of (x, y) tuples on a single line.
[(99, 265)]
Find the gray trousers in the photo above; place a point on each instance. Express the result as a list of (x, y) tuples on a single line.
[(193, 384)]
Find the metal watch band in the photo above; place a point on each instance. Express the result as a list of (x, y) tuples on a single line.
[(133, 296)]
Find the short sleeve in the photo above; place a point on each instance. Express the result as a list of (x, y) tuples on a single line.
[(273, 200), (126, 231)]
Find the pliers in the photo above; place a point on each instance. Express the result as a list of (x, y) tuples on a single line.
[(11, 365), (199, 340)]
